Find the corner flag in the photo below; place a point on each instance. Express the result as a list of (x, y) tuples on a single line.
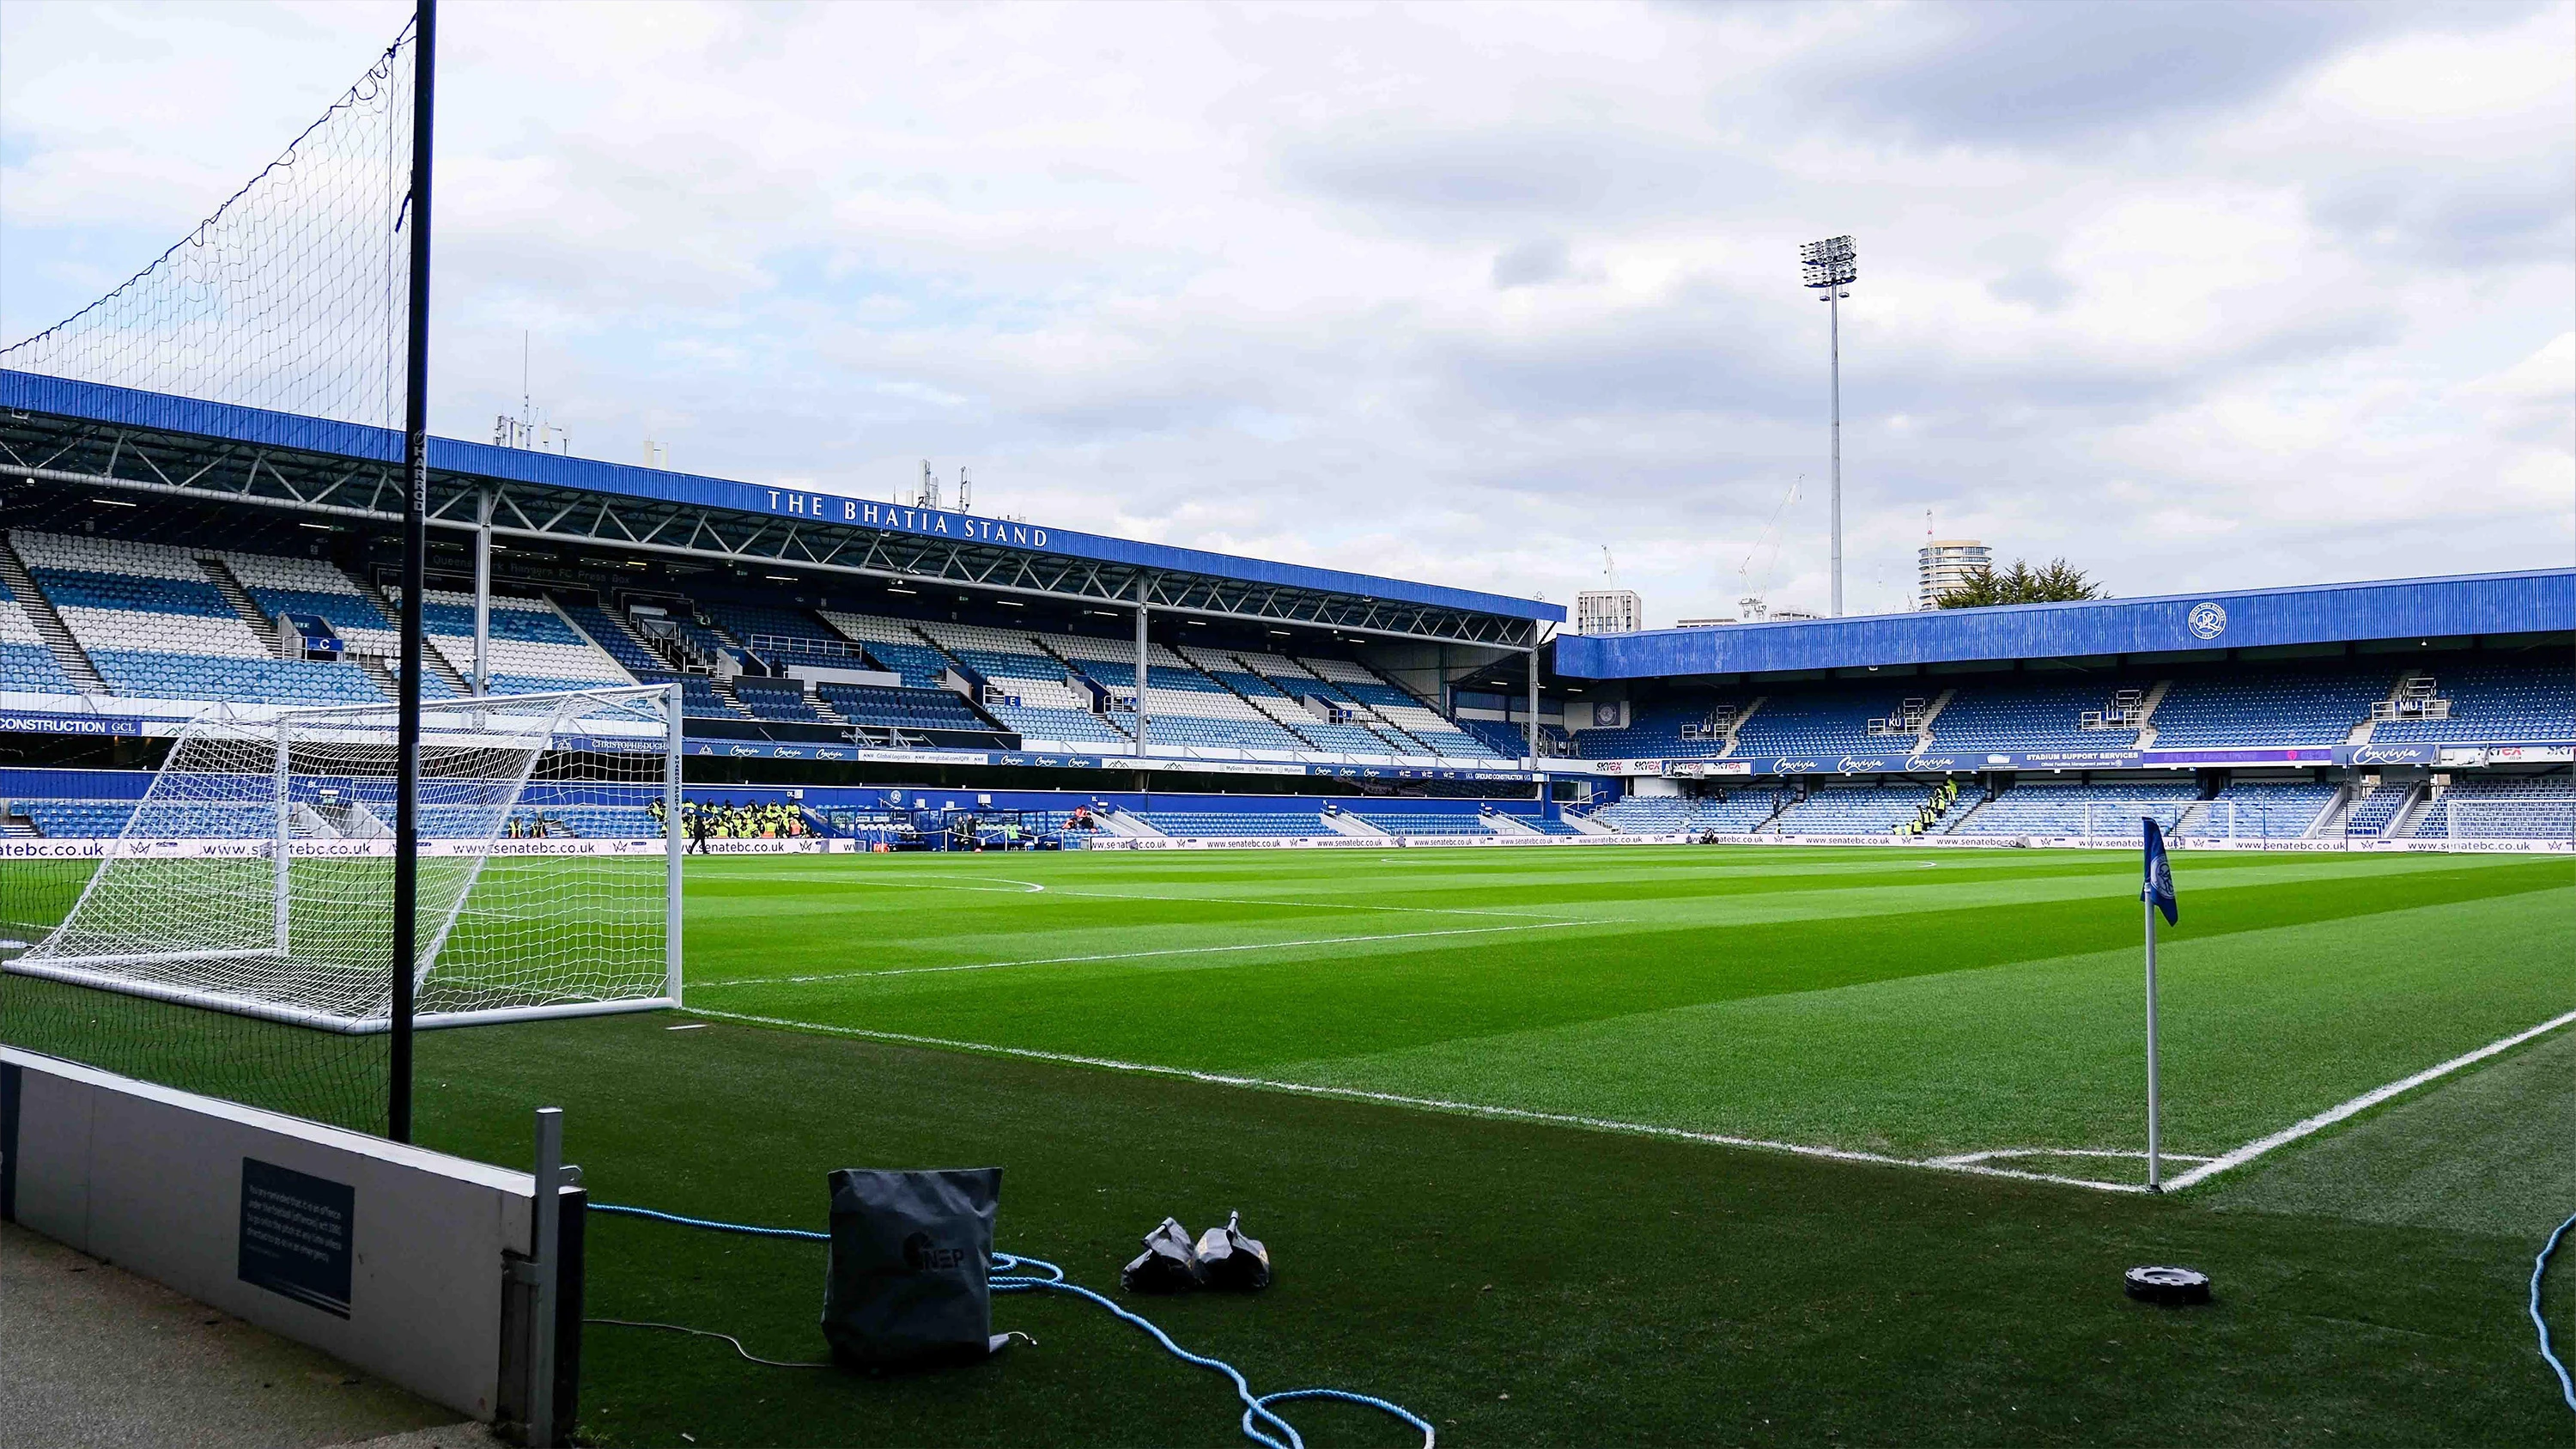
[(2159, 889), (2158, 893)]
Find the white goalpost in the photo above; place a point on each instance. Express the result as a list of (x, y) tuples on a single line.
[(256, 876)]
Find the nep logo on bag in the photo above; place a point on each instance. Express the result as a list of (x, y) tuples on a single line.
[(910, 1280)]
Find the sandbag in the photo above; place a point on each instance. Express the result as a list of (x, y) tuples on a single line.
[(1169, 1264), (909, 1284), (1231, 1262)]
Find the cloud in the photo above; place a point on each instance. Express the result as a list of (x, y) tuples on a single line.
[(2196, 296)]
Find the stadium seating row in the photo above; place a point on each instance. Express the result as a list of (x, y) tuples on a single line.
[(159, 621)]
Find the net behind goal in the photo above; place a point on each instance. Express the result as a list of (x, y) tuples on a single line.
[(257, 875)]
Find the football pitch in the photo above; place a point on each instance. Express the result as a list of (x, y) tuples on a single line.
[(1970, 1009), (1573, 1146)]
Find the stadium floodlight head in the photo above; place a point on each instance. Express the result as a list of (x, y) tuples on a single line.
[(1830, 266), (1833, 262)]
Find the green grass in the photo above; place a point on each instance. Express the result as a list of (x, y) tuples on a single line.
[(1857, 999), (1527, 1281)]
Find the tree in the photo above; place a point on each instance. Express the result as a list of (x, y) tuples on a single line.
[(2054, 583)]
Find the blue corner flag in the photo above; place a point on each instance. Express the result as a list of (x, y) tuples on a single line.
[(2159, 890)]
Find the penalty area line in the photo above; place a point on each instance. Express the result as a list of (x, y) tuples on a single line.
[(1431, 1104), (2307, 1127)]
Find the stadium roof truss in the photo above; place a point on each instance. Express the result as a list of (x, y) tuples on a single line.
[(135, 457)]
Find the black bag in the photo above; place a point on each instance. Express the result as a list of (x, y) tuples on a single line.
[(1232, 1262), (909, 1283), (1169, 1263)]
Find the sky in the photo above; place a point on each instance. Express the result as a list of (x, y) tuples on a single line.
[(2194, 296)]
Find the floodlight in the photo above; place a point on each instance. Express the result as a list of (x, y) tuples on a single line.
[(1829, 266)]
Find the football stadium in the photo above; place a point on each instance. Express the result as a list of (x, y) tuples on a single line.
[(1683, 1035)]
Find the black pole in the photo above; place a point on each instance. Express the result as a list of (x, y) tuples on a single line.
[(415, 551)]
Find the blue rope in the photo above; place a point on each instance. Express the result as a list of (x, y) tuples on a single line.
[(746, 1229), (2540, 1265), (1019, 1274)]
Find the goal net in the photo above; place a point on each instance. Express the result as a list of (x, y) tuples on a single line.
[(257, 875)]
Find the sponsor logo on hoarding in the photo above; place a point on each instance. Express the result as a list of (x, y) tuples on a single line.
[(1936, 762), (70, 724), (2527, 754), (2207, 620), (1852, 764), (1792, 767), (2392, 754), (1999, 759)]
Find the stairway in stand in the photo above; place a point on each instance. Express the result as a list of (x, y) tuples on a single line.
[(49, 625), (262, 627), (435, 662)]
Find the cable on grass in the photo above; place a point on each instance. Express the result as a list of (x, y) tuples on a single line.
[(2540, 1265), (710, 1333), (1016, 1274)]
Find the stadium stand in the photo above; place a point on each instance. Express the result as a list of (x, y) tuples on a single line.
[(2025, 716), (1663, 730), (1850, 810), (2068, 809), (1265, 823), (2481, 704), (2268, 707), (1816, 722), (2258, 810), (26, 662), (2375, 809), (1423, 822), (155, 625), (2522, 808)]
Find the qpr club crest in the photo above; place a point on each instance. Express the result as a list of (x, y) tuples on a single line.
[(2207, 620)]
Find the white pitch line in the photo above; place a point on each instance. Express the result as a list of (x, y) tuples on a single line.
[(2367, 1100), (1124, 955), (1475, 1109), (1305, 905)]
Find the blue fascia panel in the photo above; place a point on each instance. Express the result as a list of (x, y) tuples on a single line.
[(2533, 601), (261, 427)]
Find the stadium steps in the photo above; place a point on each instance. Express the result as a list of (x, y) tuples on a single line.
[(49, 625), (1741, 716), (582, 634), (1586, 825), (2147, 712), (430, 659), (1955, 826), (1072, 672), (2360, 733), (1923, 731), (1405, 741), (815, 701), (626, 628), (2329, 821), (1345, 823), (1261, 707), (262, 627), (2410, 816), (377, 674)]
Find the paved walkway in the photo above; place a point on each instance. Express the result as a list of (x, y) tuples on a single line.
[(94, 1357)]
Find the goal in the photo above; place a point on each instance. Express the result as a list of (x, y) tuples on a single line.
[(256, 877)]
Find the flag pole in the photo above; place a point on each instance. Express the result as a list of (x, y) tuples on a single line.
[(2155, 1140)]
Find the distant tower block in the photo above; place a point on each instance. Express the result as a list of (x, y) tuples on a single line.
[(1945, 564), (1608, 611)]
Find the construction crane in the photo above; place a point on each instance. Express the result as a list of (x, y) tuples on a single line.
[(1754, 603)]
